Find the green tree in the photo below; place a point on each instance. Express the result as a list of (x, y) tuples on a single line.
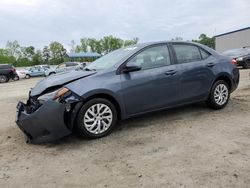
[(28, 52), (204, 39), (14, 49), (130, 42), (5, 58), (57, 51), (46, 54), (95, 45), (110, 43), (83, 46), (37, 58)]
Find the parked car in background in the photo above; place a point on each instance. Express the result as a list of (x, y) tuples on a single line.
[(241, 55), (35, 71), (124, 83), (63, 67), (44, 66), (21, 73), (7, 72)]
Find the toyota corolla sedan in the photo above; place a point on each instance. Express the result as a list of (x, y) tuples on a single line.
[(125, 83)]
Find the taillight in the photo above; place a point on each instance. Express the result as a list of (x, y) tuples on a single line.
[(234, 62)]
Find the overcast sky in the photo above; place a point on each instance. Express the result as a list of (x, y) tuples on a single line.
[(38, 22)]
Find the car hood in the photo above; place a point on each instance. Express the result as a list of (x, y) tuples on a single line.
[(58, 80)]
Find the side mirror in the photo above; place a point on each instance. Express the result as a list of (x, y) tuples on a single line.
[(131, 68)]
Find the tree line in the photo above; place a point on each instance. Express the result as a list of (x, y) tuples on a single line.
[(55, 52)]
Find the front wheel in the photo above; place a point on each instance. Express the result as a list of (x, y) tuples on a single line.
[(27, 76), (219, 95), (16, 78), (96, 118)]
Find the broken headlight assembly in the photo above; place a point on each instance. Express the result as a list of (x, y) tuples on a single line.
[(62, 95), (54, 95)]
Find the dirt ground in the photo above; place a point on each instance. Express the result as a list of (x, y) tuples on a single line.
[(191, 146)]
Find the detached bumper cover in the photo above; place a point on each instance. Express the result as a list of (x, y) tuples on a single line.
[(45, 124)]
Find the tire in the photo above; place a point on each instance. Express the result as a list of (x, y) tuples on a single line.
[(246, 65), (16, 78), (3, 79), (88, 120), (51, 73), (219, 95), (27, 76)]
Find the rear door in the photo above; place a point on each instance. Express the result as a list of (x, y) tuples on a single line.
[(195, 71), (155, 86)]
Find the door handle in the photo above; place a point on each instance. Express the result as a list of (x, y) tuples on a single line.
[(170, 72), (210, 64)]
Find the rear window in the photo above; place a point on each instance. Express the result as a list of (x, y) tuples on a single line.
[(6, 66), (204, 54), (187, 53), (71, 64)]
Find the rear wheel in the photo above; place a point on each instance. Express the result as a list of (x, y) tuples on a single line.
[(246, 65), (16, 78), (96, 118), (27, 76), (3, 79), (219, 95)]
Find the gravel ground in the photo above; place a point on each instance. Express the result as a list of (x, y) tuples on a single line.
[(191, 146)]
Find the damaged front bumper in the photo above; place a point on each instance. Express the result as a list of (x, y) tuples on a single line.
[(45, 124)]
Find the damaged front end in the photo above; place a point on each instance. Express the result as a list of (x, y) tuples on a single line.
[(49, 116)]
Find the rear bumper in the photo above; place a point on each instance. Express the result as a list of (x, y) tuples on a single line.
[(45, 124), (235, 79)]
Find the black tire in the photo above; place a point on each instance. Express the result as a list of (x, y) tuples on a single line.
[(82, 130), (211, 102), (16, 78), (246, 64), (27, 76), (51, 73), (3, 78)]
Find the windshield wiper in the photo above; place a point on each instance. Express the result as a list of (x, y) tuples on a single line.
[(87, 69)]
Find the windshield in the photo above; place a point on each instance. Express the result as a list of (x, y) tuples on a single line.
[(237, 52), (110, 59)]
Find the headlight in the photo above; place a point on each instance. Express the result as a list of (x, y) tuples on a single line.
[(54, 95), (239, 59)]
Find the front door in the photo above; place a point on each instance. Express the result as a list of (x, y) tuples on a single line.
[(155, 86)]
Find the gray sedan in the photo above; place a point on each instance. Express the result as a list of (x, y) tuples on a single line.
[(127, 82)]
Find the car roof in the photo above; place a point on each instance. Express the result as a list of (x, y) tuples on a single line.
[(143, 45)]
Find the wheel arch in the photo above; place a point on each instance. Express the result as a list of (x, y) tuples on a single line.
[(225, 77), (110, 98), (78, 106)]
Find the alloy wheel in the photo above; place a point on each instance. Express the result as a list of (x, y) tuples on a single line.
[(221, 94), (98, 118)]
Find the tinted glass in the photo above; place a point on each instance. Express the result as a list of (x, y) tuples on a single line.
[(111, 59), (204, 54), (186, 53), (152, 58), (5, 66)]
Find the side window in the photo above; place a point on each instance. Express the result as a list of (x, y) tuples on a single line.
[(187, 53), (153, 57), (61, 66), (204, 54)]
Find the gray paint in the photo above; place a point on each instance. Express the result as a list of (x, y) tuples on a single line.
[(232, 40), (135, 92)]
